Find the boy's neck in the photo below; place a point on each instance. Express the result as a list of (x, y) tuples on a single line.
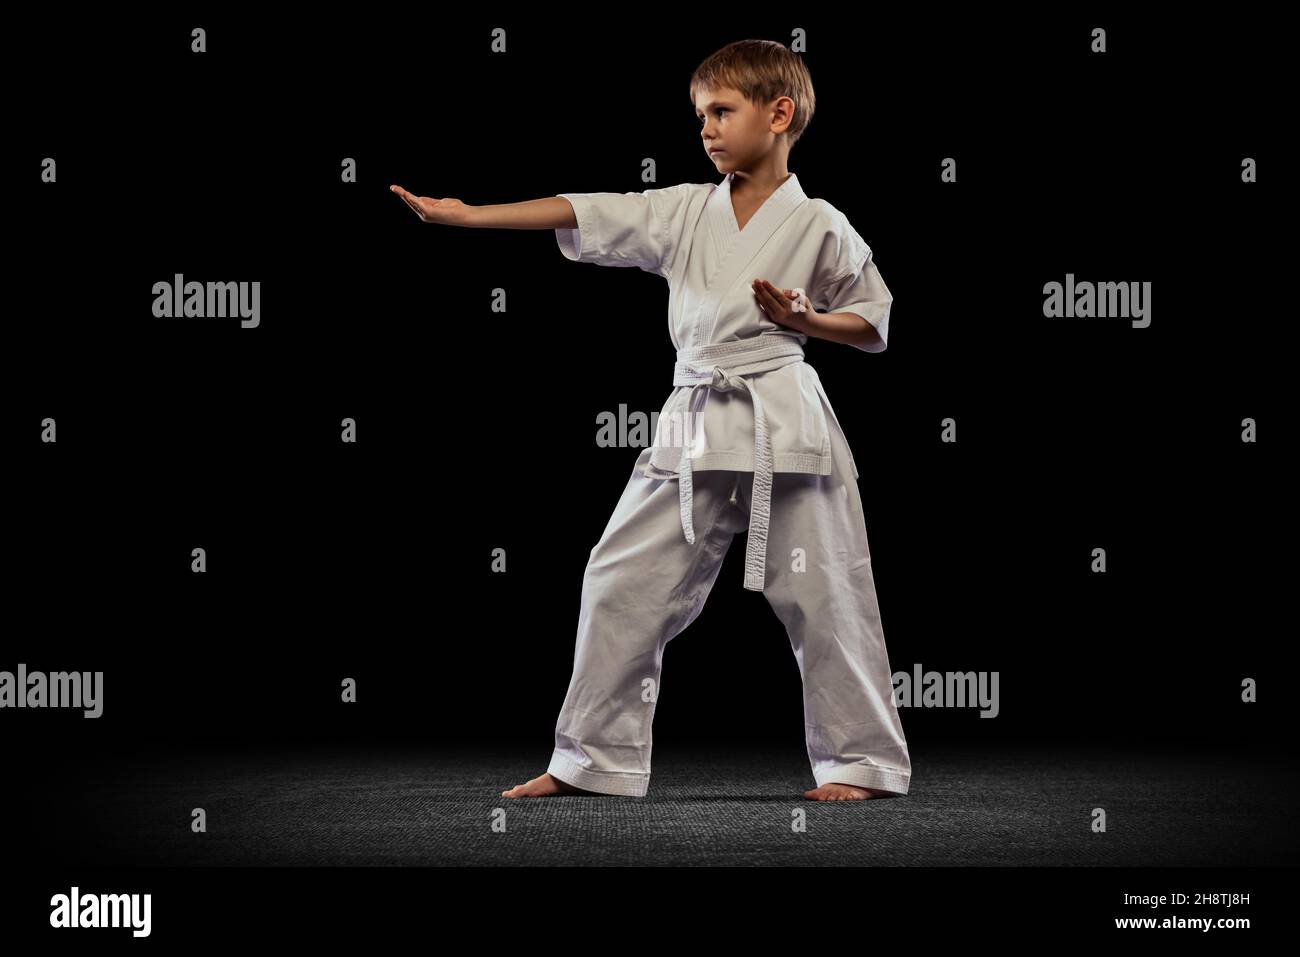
[(757, 183)]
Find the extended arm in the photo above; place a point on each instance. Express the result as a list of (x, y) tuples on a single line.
[(551, 212)]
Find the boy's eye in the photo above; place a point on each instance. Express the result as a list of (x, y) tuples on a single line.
[(720, 110)]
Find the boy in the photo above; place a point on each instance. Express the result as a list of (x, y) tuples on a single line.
[(747, 440)]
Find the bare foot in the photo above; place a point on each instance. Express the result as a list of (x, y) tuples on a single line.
[(844, 792), (543, 786)]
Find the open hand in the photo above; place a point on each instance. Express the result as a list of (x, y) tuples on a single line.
[(451, 212), (778, 304)]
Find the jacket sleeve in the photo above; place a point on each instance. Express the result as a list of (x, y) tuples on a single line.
[(626, 229), (858, 288)]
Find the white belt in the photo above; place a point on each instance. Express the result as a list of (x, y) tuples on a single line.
[(722, 367)]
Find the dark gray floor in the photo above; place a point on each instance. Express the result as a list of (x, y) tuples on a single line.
[(1006, 808)]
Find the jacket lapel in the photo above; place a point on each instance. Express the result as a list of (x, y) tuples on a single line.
[(740, 246)]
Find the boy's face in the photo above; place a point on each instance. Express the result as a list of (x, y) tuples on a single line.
[(736, 133)]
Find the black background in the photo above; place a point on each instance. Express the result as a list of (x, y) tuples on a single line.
[(477, 430)]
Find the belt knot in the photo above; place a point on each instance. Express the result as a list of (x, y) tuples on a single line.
[(724, 381)]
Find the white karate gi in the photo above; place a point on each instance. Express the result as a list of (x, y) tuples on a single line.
[(747, 440)]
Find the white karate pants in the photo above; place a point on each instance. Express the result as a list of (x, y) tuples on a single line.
[(644, 584)]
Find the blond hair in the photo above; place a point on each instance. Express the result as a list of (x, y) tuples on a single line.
[(762, 70)]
